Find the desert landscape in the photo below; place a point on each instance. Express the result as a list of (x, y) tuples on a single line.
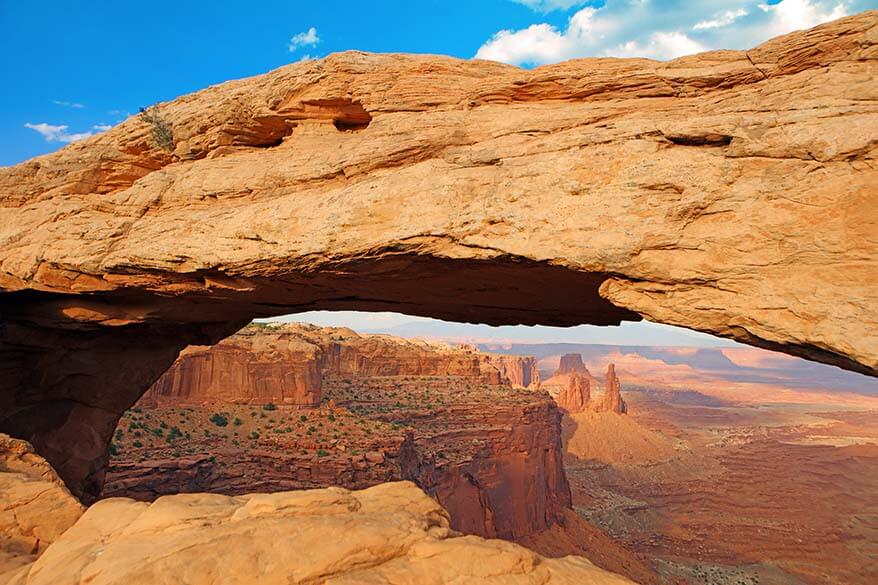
[(688, 486), (697, 181)]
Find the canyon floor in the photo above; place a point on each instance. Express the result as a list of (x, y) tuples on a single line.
[(732, 494)]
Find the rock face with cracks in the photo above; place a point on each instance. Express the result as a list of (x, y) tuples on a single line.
[(732, 192), (35, 507), (391, 533)]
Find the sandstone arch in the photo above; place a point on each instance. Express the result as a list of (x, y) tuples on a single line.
[(729, 192)]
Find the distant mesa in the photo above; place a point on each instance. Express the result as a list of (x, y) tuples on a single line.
[(284, 364), (580, 391), (571, 362)]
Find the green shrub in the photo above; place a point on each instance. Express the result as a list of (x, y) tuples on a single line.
[(322, 453), (219, 419), (162, 133), (114, 449), (137, 444), (269, 406), (237, 422), (254, 435)]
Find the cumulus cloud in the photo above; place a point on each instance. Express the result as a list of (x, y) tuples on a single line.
[(61, 133), (308, 38), (723, 19), (57, 133), (658, 29)]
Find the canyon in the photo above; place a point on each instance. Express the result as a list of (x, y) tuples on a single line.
[(463, 190), (723, 192), (286, 364), (445, 417)]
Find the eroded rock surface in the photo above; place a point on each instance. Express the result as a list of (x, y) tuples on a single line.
[(35, 507), (576, 396), (448, 418), (388, 534), (285, 364), (730, 192)]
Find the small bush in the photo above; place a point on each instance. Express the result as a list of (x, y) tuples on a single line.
[(114, 449), (137, 444), (162, 133), (322, 453), (269, 406), (254, 435), (237, 422), (219, 419)]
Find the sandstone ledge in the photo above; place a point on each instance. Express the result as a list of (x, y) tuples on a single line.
[(732, 192), (391, 533)]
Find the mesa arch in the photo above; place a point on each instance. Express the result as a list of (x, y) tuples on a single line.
[(729, 192)]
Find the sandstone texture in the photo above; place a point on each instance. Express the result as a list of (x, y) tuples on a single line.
[(732, 192), (576, 396), (285, 364), (491, 454), (35, 507), (388, 534), (576, 390), (243, 368)]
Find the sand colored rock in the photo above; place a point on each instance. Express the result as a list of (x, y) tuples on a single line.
[(728, 192), (570, 363), (35, 507), (285, 364), (246, 368), (576, 390), (392, 533), (577, 395), (611, 400)]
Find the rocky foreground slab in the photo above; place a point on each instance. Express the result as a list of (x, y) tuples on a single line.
[(392, 533)]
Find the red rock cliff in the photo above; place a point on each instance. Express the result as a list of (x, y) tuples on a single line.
[(513, 484), (611, 400), (284, 364), (577, 395), (519, 371), (252, 366)]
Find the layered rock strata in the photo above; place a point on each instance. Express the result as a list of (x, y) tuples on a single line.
[(491, 454), (35, 507), (577, 395), (392, 533), (285, 364), (719, 192)]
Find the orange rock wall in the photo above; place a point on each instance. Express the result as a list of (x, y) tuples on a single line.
[(285, 365)]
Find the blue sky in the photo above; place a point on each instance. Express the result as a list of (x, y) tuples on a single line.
[(73, 69)]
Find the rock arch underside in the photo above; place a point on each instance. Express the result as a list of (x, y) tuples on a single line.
[(730, 192)]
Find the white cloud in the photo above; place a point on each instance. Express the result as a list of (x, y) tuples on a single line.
[(658, 29), (791, 15), (66, 104), (308, 38), (306, 57), (723, 19), (550, 5), (661, 45), (57, 133), (101, 127)]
